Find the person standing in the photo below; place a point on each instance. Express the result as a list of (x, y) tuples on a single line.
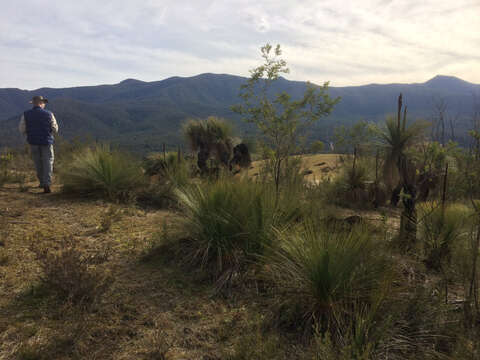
[(39, 126)]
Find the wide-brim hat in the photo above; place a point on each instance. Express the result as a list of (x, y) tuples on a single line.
[(38, 98)]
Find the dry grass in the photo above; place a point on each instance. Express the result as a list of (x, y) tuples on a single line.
[(152, 310), (320, 165)]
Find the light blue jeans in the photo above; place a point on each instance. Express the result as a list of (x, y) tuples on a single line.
[(43, 157)]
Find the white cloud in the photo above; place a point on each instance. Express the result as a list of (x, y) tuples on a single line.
[(60, 43)]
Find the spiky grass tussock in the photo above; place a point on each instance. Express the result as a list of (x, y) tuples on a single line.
[(396, 138), (100, 171), (207, 133), (321, 276), (228, 223), (441, 227), (171, 167)]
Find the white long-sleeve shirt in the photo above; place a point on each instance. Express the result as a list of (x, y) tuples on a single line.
[(23, 127)]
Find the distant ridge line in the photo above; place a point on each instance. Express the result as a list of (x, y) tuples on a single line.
[(435, 79)]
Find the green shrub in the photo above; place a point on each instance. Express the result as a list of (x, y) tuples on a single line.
[(322, 275), (317, 147), (66, 150), (291, 171), (355, 178), (99, 171), (172, 167), (358, 339), (465, 268), (350, 188), (230, 222), (440, 228), (415, 325), (167, 173)]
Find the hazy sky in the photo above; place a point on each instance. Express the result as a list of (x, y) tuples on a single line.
[(60, 43)]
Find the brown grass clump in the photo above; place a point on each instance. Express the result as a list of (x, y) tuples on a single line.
[(67, 272)]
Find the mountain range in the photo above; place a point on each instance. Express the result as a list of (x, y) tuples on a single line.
[(141, 116)]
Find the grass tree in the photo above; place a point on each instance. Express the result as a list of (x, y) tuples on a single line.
[(279, 118), (228, 223), (100, 171), (325, 274), (210, 137), (397, 137)]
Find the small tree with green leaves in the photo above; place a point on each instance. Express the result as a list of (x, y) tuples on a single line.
[(431, 160), (317, 147), (279, 118), (349, 138)]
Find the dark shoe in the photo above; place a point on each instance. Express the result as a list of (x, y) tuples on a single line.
[(46, 190)]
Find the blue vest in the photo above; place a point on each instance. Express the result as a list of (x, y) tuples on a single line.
[(38, 123)]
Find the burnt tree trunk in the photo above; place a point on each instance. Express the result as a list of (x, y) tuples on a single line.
[(395, 198), (202, 159), (408, 220)]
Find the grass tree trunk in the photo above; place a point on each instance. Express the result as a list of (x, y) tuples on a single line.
[(408, 219), (202, 159), (395, 198)]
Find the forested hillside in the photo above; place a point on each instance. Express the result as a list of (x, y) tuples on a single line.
[(143, 115)]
